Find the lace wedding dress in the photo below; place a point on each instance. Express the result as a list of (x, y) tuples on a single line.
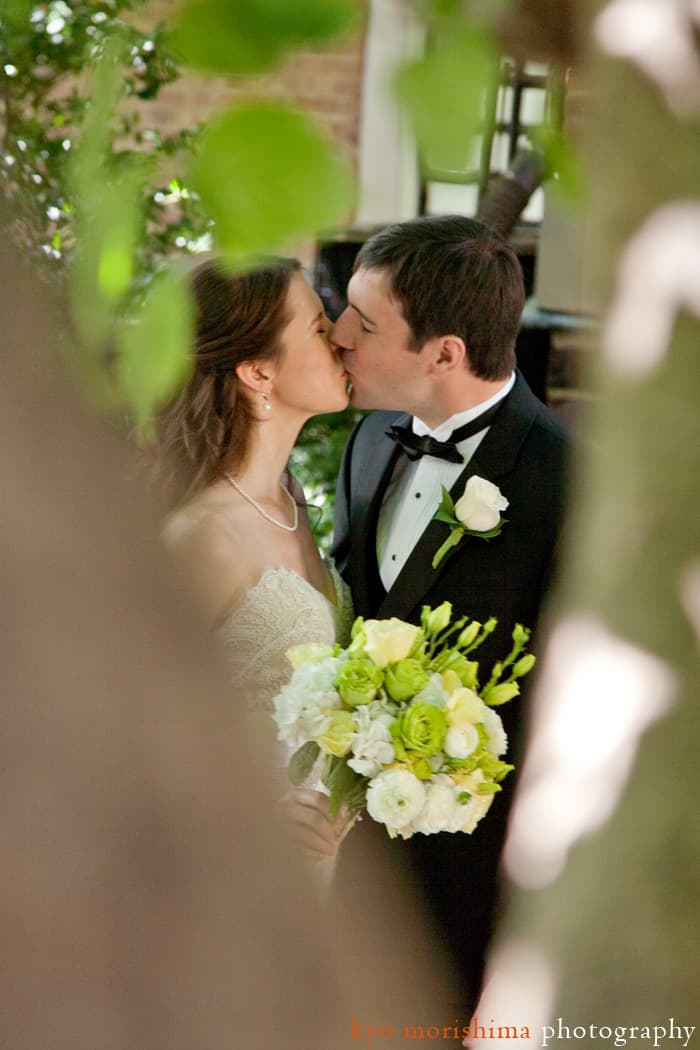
[(281, 610)]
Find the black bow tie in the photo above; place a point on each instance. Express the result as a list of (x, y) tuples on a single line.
[(415, 446)]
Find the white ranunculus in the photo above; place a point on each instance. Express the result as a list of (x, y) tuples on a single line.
[(460, 741), (480, 506), (395, 798), (388, 641), (372, 746), (439, 810), (497, 739)]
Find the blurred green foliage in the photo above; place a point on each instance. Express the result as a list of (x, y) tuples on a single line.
[(316, 461), (446, 118), (45, 51), (267, 176), (253, 35)]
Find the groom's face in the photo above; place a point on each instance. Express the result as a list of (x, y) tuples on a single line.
[(373, 339)]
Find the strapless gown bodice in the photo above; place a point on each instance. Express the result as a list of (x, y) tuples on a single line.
[(281, 610)]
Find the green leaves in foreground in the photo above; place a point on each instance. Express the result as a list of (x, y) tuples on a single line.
[(154, 357), (302, 762), (249, 36), (267, 176), (443, 94)]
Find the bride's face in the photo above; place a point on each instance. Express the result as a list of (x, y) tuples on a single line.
[(308, 376)]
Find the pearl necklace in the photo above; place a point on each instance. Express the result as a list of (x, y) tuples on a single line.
[(261, 510)]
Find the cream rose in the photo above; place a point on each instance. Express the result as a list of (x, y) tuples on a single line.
[(464, 707), (388, 641), (480, 506)]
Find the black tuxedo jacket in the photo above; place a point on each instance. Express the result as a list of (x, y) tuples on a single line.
[(525, 453)]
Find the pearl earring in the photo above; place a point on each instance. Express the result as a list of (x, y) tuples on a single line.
[(266, 404)]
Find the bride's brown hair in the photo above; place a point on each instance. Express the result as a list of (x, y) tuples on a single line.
[(238, 317)]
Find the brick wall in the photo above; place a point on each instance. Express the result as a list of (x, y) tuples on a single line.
[(326, 83)]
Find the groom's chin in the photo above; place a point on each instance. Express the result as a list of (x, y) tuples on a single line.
[(358, 399)]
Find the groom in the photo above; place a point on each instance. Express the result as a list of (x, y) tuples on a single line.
[(428, 338)]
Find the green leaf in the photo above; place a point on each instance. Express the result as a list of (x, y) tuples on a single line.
[(446, 510), (345, 785), (16, 12), (104, 262), (155, 356), (443, 94), (302, 762), (249, 36), (563, 164), (490, 533), (267, 176)]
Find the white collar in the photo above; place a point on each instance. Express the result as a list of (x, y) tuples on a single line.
[(444, 430)]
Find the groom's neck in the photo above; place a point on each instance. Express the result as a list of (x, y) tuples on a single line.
[(450, 398)]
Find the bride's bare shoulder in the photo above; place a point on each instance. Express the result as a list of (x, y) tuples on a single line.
[(210, 540)]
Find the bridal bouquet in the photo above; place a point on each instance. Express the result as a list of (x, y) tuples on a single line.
[(404, 727)]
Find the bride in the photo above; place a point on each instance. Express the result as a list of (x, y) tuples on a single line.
[(262, 367)]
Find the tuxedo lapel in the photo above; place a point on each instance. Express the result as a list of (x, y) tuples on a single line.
[(495, 457), (372, 472)]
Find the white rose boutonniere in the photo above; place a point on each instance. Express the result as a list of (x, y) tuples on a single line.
[(476, 513)]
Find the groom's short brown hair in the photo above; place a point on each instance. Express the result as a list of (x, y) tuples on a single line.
[(453, 275)]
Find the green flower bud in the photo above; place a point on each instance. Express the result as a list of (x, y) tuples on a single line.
[(490, 625), (422, 769), (421, 729), (500, 694), (405, 679), (451, 660), (521, 635), (468, 635), (524, 665), (436, 620), (357, 626), (359, 682)]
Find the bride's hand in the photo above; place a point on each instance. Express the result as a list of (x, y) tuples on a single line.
[(310, 823)]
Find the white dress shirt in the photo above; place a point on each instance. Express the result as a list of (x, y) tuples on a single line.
[(413, 494)]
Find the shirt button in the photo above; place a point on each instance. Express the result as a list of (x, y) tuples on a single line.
[(417, 495), (393, 557)]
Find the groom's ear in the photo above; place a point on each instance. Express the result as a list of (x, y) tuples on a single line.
[(256, 376), (447, 353)]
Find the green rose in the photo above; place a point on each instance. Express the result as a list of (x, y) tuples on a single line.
[(420, 729), (405, 679), (359, 682)]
